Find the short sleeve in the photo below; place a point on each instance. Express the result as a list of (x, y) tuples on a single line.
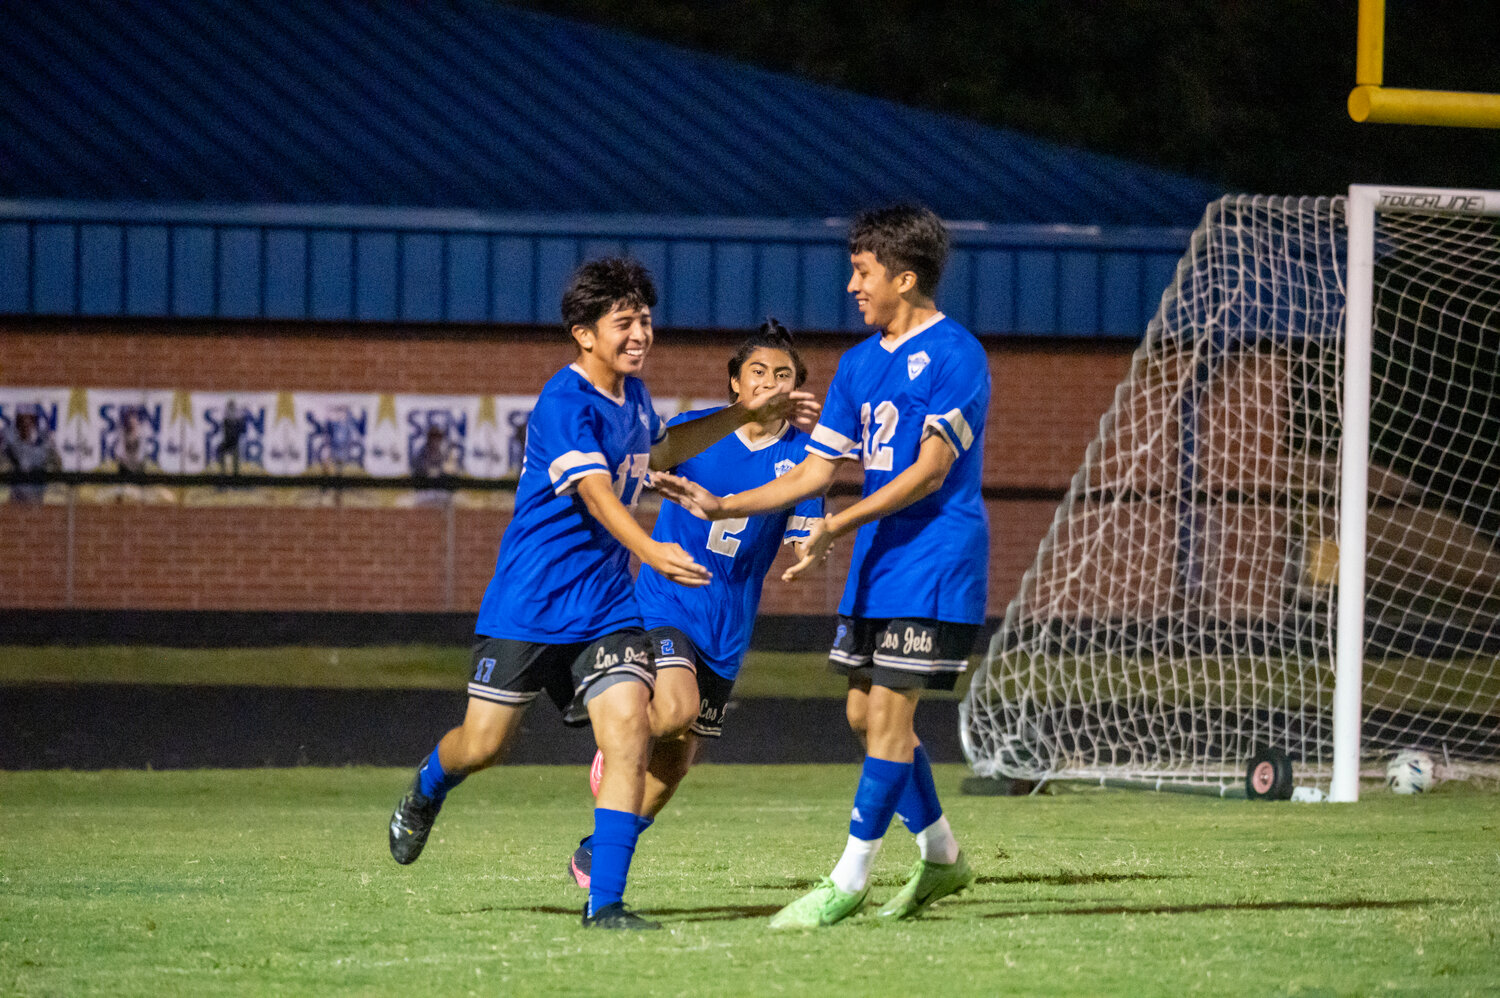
[(799, 523), (567, 444), (837, 434), (960, 399)]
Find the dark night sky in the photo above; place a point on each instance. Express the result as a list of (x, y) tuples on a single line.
[(1248, 93)]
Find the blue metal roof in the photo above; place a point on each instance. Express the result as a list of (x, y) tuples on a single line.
[(472, 104), (105, 259)]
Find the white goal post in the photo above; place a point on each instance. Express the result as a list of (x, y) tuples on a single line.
[(1287, 533)]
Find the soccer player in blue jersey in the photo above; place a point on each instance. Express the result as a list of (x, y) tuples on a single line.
[(700, 635), (910, 403), (559, 615)]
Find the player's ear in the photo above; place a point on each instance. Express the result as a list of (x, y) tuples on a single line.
[(583, 336)]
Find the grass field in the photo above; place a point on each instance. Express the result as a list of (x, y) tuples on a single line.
[(278, 882)]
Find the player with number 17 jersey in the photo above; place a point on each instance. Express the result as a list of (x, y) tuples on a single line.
[(720, 616), (560, 576), (931, 558)]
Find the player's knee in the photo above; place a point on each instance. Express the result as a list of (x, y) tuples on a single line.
[(478, 747), (673, 717)]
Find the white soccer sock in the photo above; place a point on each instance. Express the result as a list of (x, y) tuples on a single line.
[(853, 870), (937, 842)]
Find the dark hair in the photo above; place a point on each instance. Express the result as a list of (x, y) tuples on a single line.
[(601, 285), (774, 336), (903, 237)]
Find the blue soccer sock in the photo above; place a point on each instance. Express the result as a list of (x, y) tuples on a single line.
[(880, 784), (641, 824), (919, 805), (613, 843), (432, 781)]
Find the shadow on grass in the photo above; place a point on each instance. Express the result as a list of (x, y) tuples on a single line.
[(1193, 909), (1077, 879), (715, 913)]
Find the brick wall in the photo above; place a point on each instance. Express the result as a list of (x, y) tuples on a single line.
[(1048, 397)]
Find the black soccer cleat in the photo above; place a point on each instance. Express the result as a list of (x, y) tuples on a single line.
[(616, 916), (411, 823)]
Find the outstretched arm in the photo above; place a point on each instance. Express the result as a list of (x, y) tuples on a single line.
[(811, 477), (683, 440), (598, 495), (925, 476)]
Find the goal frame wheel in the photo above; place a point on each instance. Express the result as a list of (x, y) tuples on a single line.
[(1268, 775)]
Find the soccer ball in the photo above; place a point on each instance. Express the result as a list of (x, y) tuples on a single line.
[(1411, 771)]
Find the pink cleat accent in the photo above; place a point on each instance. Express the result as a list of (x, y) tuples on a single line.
[(596, 772)]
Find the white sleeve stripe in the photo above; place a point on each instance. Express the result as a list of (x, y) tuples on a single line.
[(934, 428), (798, 527), (831, 441), (955, 419), (566, 485), (572, 461)]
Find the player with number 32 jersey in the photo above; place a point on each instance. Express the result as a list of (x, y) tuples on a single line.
[(931, 558)]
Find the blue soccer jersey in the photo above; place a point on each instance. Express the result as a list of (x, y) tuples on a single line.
[(560, 576), (719, 616), (930, 559)]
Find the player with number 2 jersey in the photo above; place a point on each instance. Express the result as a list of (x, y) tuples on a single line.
[(720, 615)]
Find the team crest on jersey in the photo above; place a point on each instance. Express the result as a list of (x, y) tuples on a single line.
[(644, 421), (782, 467), (916, 363)]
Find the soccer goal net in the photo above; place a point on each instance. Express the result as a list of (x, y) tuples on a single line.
[(1298, 397)]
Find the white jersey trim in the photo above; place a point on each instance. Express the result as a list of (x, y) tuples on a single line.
[(891, 346), (743, 432), (799, 527), (953, 428), (616, 399), (573, 465), (831, 443)]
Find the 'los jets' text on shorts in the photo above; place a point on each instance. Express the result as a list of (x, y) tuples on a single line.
[(516, 672), (903, 653), (675, 650)]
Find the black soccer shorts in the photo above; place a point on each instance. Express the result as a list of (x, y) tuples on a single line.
[(903, 653), (571, 674), (675, 650)]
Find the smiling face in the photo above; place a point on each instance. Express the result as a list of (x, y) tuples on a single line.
[(616, 345), (877, 292), (765, 371)]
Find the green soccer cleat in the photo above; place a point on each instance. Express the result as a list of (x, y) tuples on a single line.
[(929, 882), (823, 905)]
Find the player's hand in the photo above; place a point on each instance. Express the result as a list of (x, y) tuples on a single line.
[(812, 551), (688, 494), (676, 564), (800, 408)]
